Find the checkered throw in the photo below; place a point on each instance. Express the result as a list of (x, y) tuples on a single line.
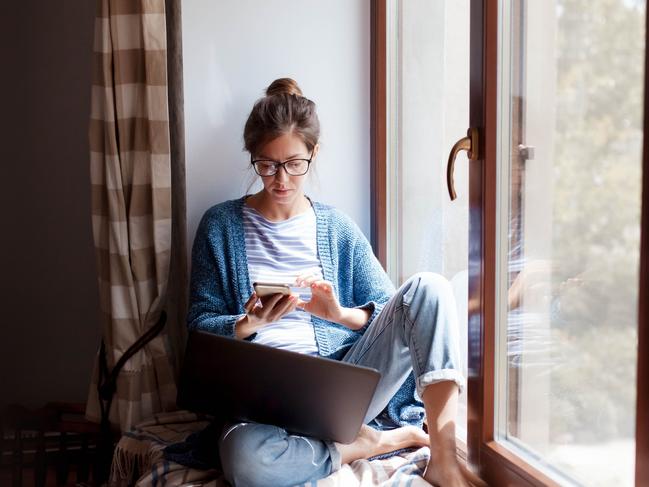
[(139, 460)]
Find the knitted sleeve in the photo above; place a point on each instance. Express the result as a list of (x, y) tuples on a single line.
[(372, 286), (211, 306)]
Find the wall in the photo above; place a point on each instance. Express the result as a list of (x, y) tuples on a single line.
[(233, 49), (49, 329)]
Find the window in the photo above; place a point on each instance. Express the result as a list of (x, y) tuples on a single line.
[(569, 193), (544, 240), (428, 73)]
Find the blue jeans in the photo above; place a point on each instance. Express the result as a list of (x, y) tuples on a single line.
[(416, 330)]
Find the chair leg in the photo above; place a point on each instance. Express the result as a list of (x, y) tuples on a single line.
[(40, 461), (105, 450), (62, 463), (82, 472), (17, 474)]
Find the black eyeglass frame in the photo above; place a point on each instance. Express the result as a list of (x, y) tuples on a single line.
[(278, 164)]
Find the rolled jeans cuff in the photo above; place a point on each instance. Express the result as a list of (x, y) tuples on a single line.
[(434, 376), (335, 456)]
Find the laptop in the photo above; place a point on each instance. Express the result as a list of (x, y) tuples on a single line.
[(307, 395)]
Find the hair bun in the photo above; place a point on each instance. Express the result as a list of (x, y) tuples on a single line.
[(283, 86)]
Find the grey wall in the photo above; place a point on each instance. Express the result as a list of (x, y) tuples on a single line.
[(49, 328), (232, 50)]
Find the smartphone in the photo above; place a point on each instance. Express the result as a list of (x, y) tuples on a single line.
[(269, 288)]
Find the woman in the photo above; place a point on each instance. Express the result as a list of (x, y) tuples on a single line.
[(354, 313)]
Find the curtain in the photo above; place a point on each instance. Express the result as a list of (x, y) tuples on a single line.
[(132, 205)]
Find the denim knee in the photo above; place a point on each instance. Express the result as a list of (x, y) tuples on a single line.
[(426, 287), (243, 457), (254, 454), (429, 305)]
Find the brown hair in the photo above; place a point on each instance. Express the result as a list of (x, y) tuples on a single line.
[(283, 110)]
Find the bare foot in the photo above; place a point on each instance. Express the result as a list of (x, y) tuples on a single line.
[(371, 442), (451, 474)]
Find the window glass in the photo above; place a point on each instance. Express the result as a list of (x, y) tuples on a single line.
[(428, 111), (570, 185)]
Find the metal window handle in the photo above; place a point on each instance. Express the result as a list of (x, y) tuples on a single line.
[(469, 144)]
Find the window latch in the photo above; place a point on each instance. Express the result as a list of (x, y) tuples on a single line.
[(526, 152), (470, 145)]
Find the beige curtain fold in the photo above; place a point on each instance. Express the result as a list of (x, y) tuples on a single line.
[(132, 204)]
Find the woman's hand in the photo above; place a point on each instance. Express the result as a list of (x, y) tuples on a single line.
[(261, 312), (324, 304)]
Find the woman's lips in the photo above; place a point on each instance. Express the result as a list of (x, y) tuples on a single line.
[(282, 192)]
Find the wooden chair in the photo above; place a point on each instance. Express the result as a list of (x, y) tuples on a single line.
[(50, 440)]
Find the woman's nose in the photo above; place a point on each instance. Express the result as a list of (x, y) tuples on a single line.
[(281, 174)]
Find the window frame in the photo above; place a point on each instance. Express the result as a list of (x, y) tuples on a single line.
[(378, 129), (496, 464), (642, 388)]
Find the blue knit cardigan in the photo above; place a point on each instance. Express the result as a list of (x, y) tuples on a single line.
[(220, 284)]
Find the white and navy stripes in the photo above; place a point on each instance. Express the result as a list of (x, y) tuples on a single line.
[(279, 252)]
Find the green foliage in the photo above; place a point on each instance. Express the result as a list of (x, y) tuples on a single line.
[(596, 206), (593, 385)]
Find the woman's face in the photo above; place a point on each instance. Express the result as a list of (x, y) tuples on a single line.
[(283, 188)]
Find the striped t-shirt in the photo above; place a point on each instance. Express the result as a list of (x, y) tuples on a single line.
[(279, 252)]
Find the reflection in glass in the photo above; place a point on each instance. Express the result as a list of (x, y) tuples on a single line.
[(574, 72)]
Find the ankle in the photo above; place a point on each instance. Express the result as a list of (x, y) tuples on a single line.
[(443, 456), (439, 470)]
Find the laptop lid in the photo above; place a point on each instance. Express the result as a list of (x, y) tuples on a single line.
[(312, 396)]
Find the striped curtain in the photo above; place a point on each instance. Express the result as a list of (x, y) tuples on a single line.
[(131, 203)]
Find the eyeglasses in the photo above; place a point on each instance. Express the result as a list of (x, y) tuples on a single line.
[(293, 167)]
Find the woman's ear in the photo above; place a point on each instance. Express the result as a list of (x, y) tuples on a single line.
[(316, 149)]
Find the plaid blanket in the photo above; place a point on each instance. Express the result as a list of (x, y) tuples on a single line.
[(139, 460)]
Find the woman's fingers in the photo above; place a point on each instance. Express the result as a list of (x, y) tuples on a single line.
[(267, 305), (321, 285), (299, 280), (284, 306), (250, 304), (289, 304), (269, 302), (275, 306), (320, 289), (305, 280)]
